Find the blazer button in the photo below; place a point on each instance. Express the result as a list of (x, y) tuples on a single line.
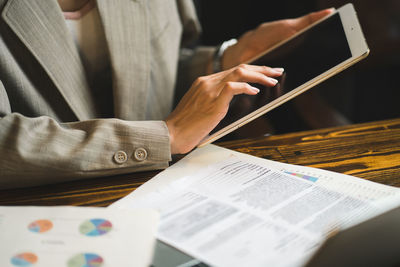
[(140, 154), (120, 157)]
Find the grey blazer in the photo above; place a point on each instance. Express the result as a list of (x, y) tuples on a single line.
[(52, 128)]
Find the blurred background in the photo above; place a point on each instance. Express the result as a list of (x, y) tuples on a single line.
[(367, 91)]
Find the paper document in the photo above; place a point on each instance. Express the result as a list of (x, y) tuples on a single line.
[(76, 236), (231, 209)]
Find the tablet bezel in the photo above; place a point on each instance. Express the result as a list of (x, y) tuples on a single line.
[(359, 50)]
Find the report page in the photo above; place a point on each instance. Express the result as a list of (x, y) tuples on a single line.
[(245, 212)]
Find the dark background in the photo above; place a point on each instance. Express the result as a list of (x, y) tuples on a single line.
[(368, 91)]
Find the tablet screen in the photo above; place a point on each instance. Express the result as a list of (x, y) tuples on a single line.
[(304, 57)]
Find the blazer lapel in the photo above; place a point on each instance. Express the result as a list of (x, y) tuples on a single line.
[(41, 27), (126, 29)]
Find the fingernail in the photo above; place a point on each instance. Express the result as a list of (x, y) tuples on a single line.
[(255, 90), (280, 70), (274, 81)]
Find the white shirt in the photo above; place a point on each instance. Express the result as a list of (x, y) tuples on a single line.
[(87, 30)]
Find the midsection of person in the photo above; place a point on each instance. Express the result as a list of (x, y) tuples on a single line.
[(138, 74)]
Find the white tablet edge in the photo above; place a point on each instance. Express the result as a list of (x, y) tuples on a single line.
[(358, 48)]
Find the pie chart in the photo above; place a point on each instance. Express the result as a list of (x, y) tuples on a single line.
[(40, 226), (24, 259), (85, 260), (95, 227)]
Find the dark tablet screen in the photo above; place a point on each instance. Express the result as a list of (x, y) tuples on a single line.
[(304, 57)]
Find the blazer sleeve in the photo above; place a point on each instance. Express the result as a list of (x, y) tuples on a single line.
[(40, 150)]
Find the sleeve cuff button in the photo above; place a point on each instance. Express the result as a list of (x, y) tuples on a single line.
[(140, 154), (120, 157)]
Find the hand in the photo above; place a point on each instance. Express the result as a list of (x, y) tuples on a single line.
[(254, 42), (207, 102)]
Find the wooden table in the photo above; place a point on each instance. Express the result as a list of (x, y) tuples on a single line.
[(370, 151)]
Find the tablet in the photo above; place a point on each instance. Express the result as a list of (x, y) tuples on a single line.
[(311, 56)]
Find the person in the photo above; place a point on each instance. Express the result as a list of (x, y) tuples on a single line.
[(86, 86)]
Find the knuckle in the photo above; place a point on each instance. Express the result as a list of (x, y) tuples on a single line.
[(240, 71), (247, 86), (207, 93), (287, 22), (229, 85), (261, 26), (201, 81), (266, 69), (290, 24), (197, 81)]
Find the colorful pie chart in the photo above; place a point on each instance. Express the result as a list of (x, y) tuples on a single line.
[(40, 226), (86, 260), (24, 259), (95, 227)]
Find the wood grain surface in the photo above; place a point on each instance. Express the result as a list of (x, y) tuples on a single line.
[(369, 150)]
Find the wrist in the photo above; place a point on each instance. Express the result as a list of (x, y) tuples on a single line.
[(219, 59), (229, 59), (171, 137)]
